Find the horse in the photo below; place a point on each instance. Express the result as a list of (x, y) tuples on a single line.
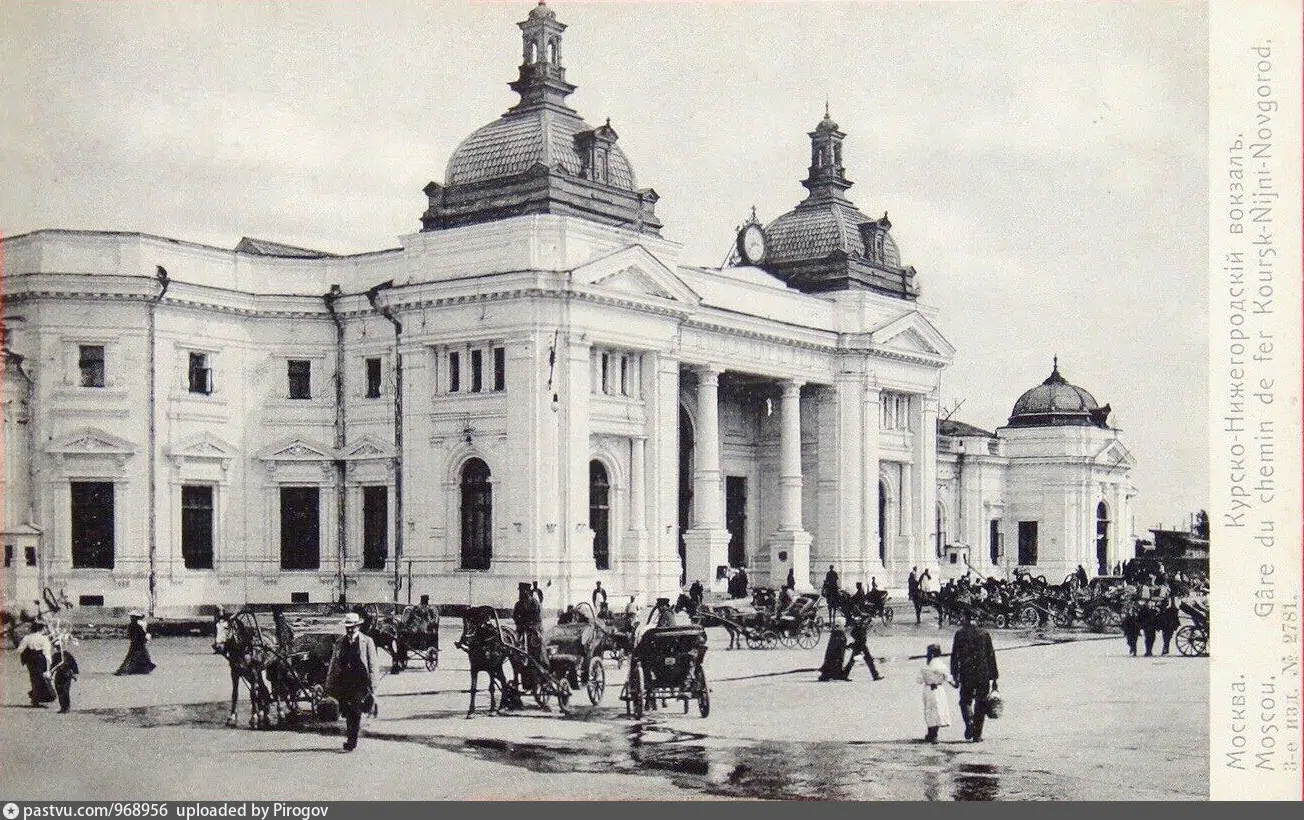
[(397, 629), (725, 616), (485, 641), (249, 656)]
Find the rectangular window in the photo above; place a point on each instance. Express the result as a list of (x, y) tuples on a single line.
[(300, 376), (624, 375), (92, 524), (199, 376), (197, 526), (300, 528), (606, 373), (1027, 543), (9, 555), (375, 527), (500, 368), (29, 556), (299, 598), (994, 541), (454, 372), (90, 361), (477, 371), (373, 378), (90, 600)]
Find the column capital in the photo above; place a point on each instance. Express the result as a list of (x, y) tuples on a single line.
[(708, 373), (792, 387)]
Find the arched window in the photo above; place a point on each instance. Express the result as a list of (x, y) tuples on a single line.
[(532, 54), (882, 523), (941, 529), (600, 514), (477, 515), (1102, 539), (552, 51)]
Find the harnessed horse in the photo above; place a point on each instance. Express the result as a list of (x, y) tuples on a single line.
[(485, 640), (248, 655), (12, 615)]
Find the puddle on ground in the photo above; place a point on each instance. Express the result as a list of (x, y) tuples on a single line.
[(696, 762)]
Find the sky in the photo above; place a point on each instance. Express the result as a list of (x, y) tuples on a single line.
[(1044, 165)]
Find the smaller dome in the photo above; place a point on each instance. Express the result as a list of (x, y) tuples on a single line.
[(542, 12), (1055, 403)]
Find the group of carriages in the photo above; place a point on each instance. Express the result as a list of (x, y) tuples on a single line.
[(773, 619)]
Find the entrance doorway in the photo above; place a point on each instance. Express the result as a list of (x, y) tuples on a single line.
[(735, 518)]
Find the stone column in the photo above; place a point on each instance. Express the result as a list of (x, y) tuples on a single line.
[(790, 545), (871, 412), (635, 557), (845, 490), (706, 543), (661, 574), (924, 413)]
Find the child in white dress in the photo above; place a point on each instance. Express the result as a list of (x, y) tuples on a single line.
[(934, 675)]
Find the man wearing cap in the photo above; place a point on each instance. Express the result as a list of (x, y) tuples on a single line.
[(527, 615), (973, 666), (351, 678)]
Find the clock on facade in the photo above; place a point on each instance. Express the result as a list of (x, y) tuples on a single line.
[(752, 244)]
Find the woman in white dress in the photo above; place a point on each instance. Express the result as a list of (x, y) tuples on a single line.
[(934, 675)]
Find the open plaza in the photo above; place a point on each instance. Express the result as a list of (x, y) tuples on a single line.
[(1083, 720)]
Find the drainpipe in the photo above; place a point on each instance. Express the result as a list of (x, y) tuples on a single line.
[(341, 495), (162, 277), (398, 428)]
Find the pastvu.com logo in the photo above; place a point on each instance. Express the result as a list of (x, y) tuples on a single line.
[(11, 811)]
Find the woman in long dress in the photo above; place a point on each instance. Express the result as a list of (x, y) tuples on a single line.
[(137, 661), (934, 675)]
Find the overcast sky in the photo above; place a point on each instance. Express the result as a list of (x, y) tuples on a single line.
[(1043, 165)]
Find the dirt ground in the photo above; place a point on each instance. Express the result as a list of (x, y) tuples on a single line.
[(1082, 721)]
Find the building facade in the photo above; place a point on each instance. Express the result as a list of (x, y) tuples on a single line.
[(533, 386)]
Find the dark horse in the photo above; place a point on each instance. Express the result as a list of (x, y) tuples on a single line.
[(486, 640), (247, 654)]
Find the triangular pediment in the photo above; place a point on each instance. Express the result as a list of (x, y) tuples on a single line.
[(367, 447), (296, 449), (1115, 454), (91, 441), (204, 445), (635, 271), (912, 334)]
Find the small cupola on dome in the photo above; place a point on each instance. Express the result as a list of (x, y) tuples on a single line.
[(826, 243), (541, 156), (1057, 403)]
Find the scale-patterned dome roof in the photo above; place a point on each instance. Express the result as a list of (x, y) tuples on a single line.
[(815, 230), (519, 140), (1056, 402)]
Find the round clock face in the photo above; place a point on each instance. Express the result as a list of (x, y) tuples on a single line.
[(752, 244)]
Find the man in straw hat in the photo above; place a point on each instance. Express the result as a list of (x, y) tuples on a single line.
[(352, 676)]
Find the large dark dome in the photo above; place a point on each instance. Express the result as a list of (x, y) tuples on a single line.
[(1057, 403)]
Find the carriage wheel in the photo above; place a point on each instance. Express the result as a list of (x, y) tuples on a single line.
[(702, 692), (1063, 618), (1029, 617), (809, 637), (888, 614), (788, 639), (432, 660), (821, 624), (1192, 641), (755, 640), (597, 682), (636, 689), (770, 638), (1097, 619), (1000, 619)]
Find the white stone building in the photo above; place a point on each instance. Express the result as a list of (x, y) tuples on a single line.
[(532, 387)]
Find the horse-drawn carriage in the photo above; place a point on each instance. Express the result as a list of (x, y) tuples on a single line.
[(767, 622), (404, 631), (491, 645), (1193, 638), (574, 653), (282, 660), (667, 665), (873, 605)]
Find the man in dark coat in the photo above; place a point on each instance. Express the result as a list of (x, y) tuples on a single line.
[(831, 589), (352, 676), (599, 596), (1148, 619), (63, 672), (538, 593), (912, 593), (1169, 620), (1081, 576), (859, 628), (1131, 626), (973, 666), (138, 661), (527, 615)]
